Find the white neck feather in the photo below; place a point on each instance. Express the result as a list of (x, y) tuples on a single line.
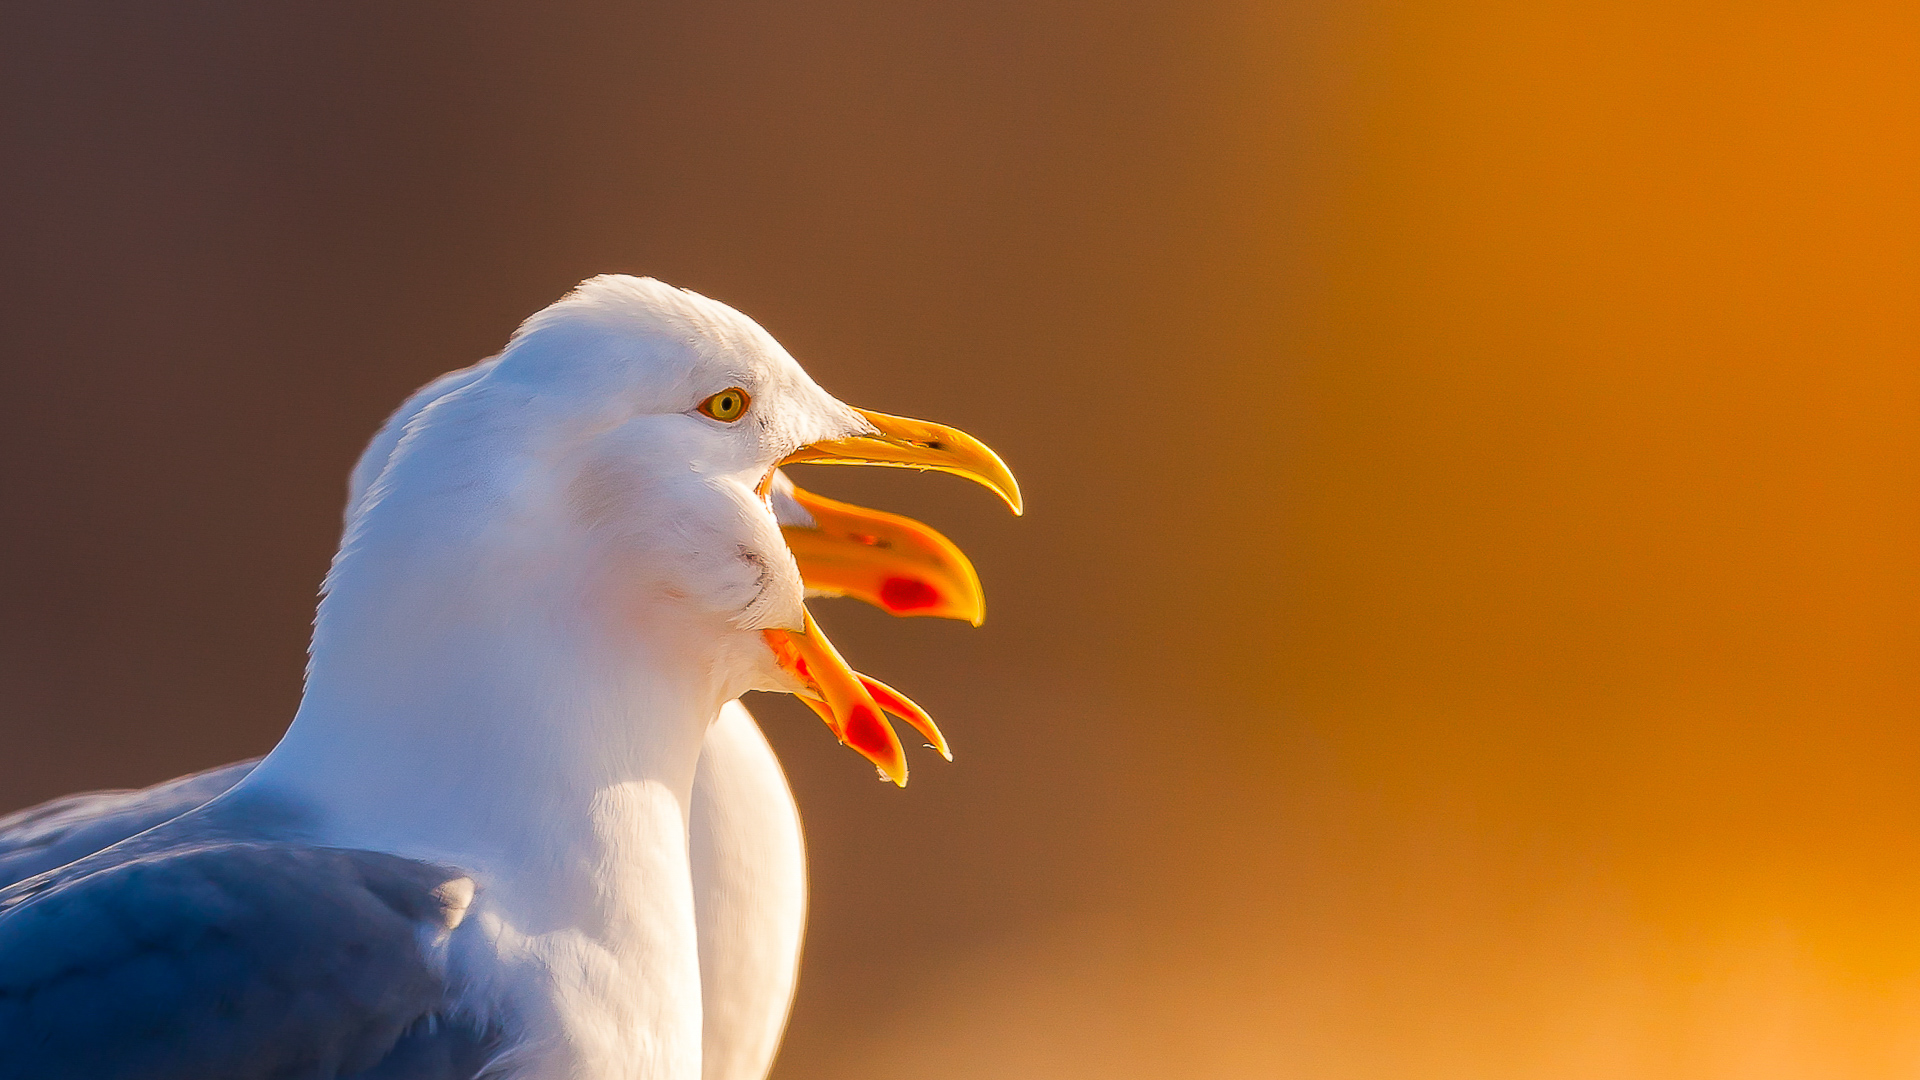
[(485, 692)]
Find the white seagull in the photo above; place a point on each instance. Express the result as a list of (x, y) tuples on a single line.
[(470, 853)]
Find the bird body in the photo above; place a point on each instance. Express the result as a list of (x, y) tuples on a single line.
[(512, 674)]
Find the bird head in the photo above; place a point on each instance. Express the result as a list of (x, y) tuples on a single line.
[(655, 421), (656, 418)]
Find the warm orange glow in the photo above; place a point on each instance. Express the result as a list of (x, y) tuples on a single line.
[(1471, 631)]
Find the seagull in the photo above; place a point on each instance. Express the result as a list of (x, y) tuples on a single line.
[(470, 853)]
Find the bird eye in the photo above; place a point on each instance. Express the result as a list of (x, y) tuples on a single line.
[(726, 406)]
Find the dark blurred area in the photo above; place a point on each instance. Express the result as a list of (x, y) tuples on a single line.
[(1465, 621)]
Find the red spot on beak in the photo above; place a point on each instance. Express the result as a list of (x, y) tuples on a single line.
[(868, 733), (907, 594)]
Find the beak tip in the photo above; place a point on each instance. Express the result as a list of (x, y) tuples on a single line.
[(1008, 489)]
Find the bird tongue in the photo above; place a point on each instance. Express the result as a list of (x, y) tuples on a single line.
[(853, 705)]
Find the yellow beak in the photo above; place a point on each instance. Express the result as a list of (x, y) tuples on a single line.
[(892, 562), (916, 444)]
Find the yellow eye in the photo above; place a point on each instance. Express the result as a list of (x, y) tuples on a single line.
[(727, 406)]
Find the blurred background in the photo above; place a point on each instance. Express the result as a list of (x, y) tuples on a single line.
[(1465, 625)]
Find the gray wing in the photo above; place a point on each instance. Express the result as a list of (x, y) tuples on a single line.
[(232, 961), (55, 833)]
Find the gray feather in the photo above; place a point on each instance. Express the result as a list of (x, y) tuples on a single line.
[(194, 951)]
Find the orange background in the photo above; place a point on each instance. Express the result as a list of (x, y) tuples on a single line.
[(1465, 625)]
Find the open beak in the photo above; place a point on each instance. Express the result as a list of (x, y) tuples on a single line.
[(892, 562), (916, 444), (852, 704)]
